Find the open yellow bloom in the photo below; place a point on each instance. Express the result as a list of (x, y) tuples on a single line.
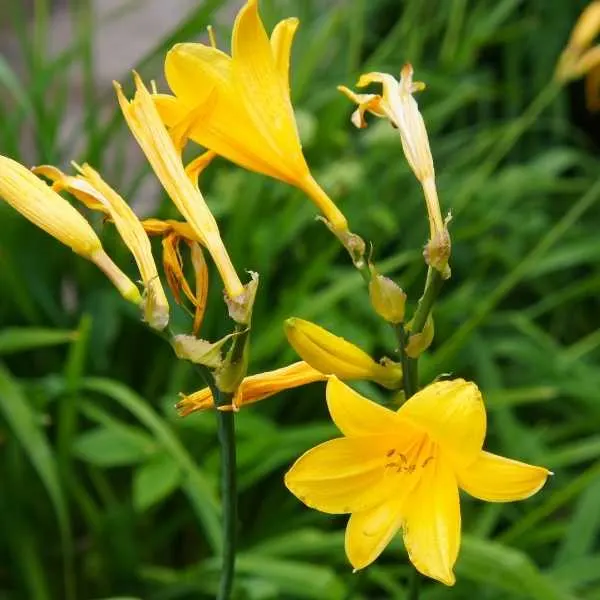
[(254, 388), (89, 187), (333, 355), (242, 103), (164, 157), (402, 470), (397, 104), (41, 205)]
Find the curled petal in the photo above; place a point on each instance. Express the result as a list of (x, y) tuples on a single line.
[(281, 45), (497, 479)]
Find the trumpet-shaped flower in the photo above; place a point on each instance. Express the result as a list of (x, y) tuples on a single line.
[(41, 205), (401, 470), (254, 388), (244, 102), (164, 157), (333, 355), (89, 187)]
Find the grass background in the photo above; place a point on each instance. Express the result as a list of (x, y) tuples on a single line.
[(107, 494)]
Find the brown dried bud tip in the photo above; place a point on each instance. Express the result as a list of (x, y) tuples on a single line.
[(353, 243), (240, 308), (437, 250), (387, 297)]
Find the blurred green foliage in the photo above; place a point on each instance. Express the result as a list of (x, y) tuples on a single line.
[(107, 494)]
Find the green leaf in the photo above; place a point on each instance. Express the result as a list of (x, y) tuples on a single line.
[(200, 492), (25, 426), (494, 564), (115, 446), (17, 339), (155, 481)]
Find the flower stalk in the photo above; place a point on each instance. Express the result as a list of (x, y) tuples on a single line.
[(227, 442)]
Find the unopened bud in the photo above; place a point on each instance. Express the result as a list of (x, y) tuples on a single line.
[(387, 298), (333, 355), (419, 342)]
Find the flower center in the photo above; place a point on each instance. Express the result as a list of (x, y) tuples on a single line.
[(412, 459)]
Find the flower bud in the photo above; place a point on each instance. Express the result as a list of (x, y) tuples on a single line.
[(333, 355), (387, 297)]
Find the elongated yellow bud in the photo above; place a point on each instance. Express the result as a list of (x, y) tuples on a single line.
[(41, 205), (38, 203), (333, 355)]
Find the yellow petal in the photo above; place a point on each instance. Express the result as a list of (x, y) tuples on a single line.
[(41, 205), (587, 27), (497, 479), (366, 103), (281, 45), (38, 203), (453, 414), (431, 528), (370, 531), (144, 121), (256, 79), (201, 277), (356, 416), (194, 72), (344, 475), (333, 355), (256, 387), (156, 306)]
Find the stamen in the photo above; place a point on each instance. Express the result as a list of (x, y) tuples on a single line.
[(211, 36)]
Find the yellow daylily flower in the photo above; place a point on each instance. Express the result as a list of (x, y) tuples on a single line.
[(401, 470), (578, 58), (239, 105), (396, 103), (164, 157), (254, 388), (89, 187), (333, 355), (41, 205)]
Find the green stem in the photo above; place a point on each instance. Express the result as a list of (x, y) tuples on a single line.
[(414, 585), (433, 286), (226, 434), (410, 367)]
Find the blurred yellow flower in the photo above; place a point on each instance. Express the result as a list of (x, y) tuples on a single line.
[(41, 205), (239, 105), (89, 187), (164, 157), (333, 355), (402, 470), (578, 58), (254, 388)]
